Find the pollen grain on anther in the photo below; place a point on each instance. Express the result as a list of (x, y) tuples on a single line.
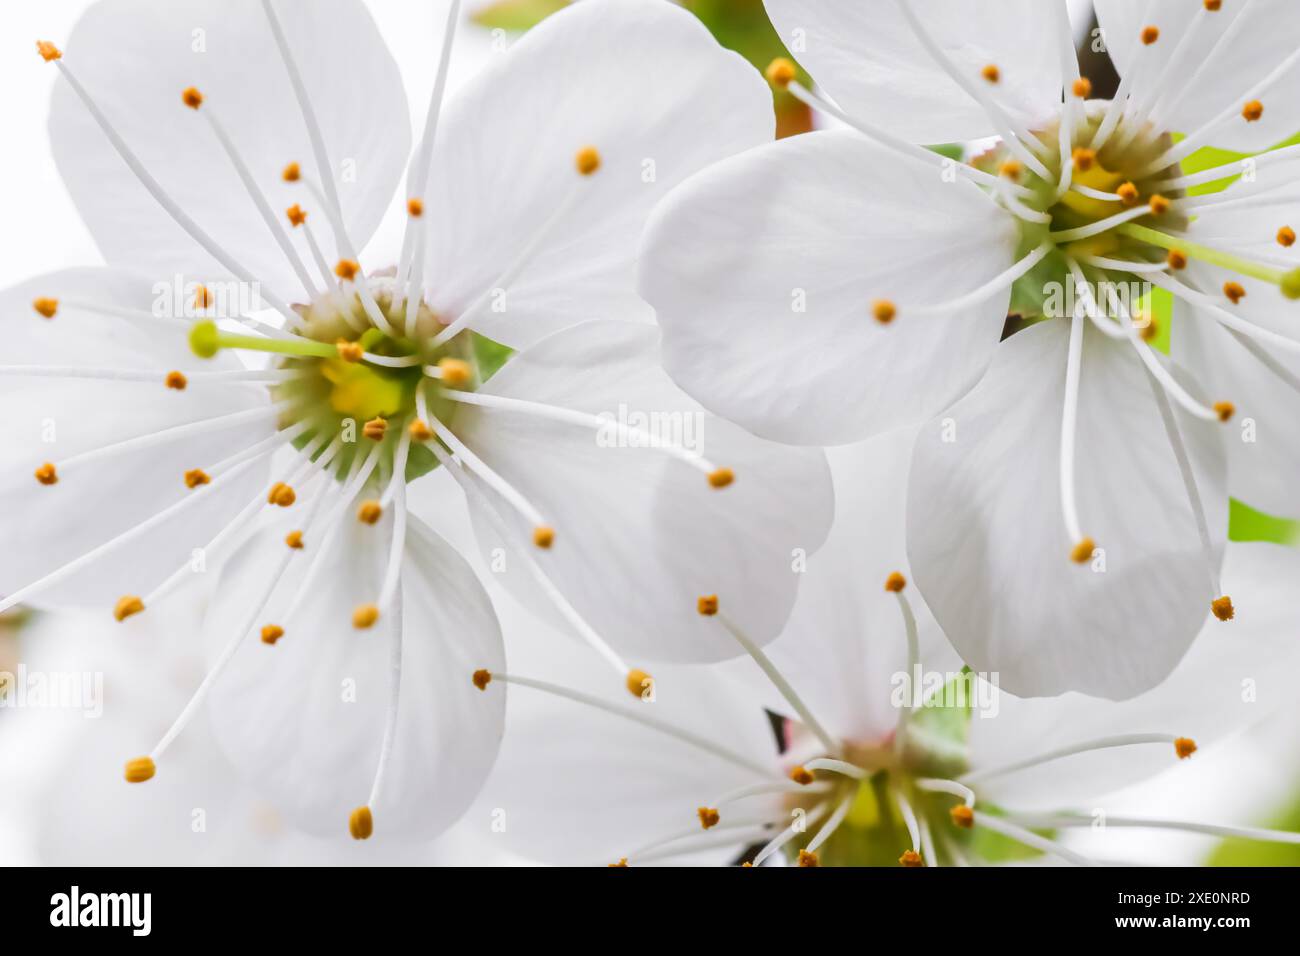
[(1223, 609), (47, 474), (296, 215), (364, 616), (140, 769), (1286, 237), (376, 428), (587, 160), (709, 817), (1184, 747), (46, 307), (196, 477), (895, 582), (176, 381), (911, 859), (707, 605), (801, 775), (1083, 550), (48, 51), (482, 678), (1234, 292), (126, 606), (780, 73), (192, 98), (291, 173), (369, 512), (1252, 111), (272, 633), (808, 858), (721, 477), (640, 684), (361, 823), (962, 816)]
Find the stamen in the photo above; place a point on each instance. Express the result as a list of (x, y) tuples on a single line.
[(571, 416), (482, 678), (1150, 35), (991, 73), (639, 715), (762, 789), (789, 833), (361, 823), (375, 429), (825, 833), (1177, 259), (962, 816), (1252, 111), (196, 477), (1084, 159), (48, 50), (364, 616), (911, 859), (1101, 743), (414, 207), (1147, 823), (808, 858), (1184, 747), (272, 633), (781, 73), (1225, 410), (1286, 237), (292, 173), (1223, 316), (1234, 291), (282, 494), (990, 288), (709, 817), (139, 770), (709, 607), (1031, 839), (913, 659), (1084, 546), (47, 474), (587, 160), (909, 818), (543, 536), (842, 767), (420, 431), (801, 775), (489, 476), (46, 307), (1128, 194), (454, 372), (169, 205), (1082, 88), (1223, 609), (940, 785), (883, 311), (346, 269), (296, 215), (370, 512), (127, 606)]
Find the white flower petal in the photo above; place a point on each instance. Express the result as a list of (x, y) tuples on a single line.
[(990, 552), (303, 719), (1221, 81), (53, 419), (641, 81), (1232, 678), (764, 270), (135, 57), (869, 60), (639, 535)]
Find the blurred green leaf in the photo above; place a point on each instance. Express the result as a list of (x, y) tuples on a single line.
[(490, 355), (1247, 524), (1233, 852), (516, 15)]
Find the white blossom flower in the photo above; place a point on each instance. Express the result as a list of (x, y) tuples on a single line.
[(837, 284), (866, 776), (154, 447)]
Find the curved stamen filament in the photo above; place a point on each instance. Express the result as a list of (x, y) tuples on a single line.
[(1229, 170), (586, 420), (1063, 236), (1222, 315), (513, 496), (393, 611), (913, 666), (900, 146), (169, 205), (762, 789), (832, 824), (259, 200), (1258, 834), (799, 826), (230, 376), (938, 785), (1150, 96), (1014, 137), (995, 285), (842, 767), (638, 715), (705, 841), (397, 492), (1119, 103), (1069, 75), (1124, 265), (1030, 839), (464, 478), (773, 674), (1215, 257), (1226, 41), (1069, 421), (909, 818), (1101, 743), (687, 837)]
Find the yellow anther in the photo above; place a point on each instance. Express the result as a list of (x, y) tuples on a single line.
[(1225, 410), (272, 633), (808, 859), (46, 307), (1184, 747), (1147, 327), (375, 429), (192, 98), (1252, 111), (1150, 35), (420, 431), (707, 605), (622, 862), (347, 269), (746, 865), (883, 311), (962, 816), (481, 679), (361, 823), (991, 73), (1128, 194), (1234, 291), (176, 380), (543, 536), (349, 351), (415, 207), (1177, 259), (1286, 236), (292, 173), (1081, 553), (911, 859), (296, 215), (1159, 204), (364, 616), (781, 73), (895, 582), (708, 817), (47, 474), (587, 160), (1012, 169), (1084, 158), (640, 684), (281, 494), (1213, 5), (48, 50), (203, 297), (455, 372), (140, 769), (801, 775), (1082, 88), (195, 477), (1223, 609), (294, 540), (126, 606), (370, 512), (721, 477)]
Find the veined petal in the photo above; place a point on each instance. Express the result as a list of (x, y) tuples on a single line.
[(989, 549), (303, 718), (53, 419), (1232, 678), (640, 535), (643, 83), (765, 271), (868, 59), (136, 57), (1213, 77)]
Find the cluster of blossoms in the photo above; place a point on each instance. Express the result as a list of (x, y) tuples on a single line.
[(599, 221)]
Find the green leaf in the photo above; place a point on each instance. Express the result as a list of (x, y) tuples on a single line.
[(516, 15), (490, 355)]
